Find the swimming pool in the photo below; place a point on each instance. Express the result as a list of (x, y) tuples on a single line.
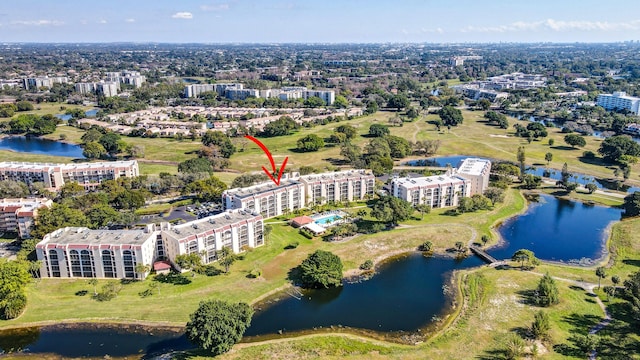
[(327, 219)]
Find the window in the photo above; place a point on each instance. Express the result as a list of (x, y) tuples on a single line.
[(108, 265), (370, 184), (211, 255), (263, 207), (258, 234), (272, 206), (129, 262), (55, 264), (192, 247), (211, 241), (331, 192), (415, 197), (244, 236), (317, 194), (74, 260), (227, 239), (357, 190), (296, 199), (284, 201), (344, 191)]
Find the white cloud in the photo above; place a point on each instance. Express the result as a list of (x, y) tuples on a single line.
[(37, 22), (182, 15), (556, 25), (214, 7), (103, 21), (130, 20), (84, 22)]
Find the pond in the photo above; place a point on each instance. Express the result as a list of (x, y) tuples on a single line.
[(93, 340), (404, 295), (36, 145), (558, 230), (581, 179), (88, 113), (440, 161)]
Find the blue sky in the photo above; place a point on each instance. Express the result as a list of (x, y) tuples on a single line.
[(335, 21)]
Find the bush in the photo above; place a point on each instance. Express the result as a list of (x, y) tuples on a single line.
[(145, 293), (547, 293), (255, 273), (322, 269), (292, 245), (217, 325), (426, 246), (588, 154), (306, 233), (367, 265), (540, 326), (13, 305)]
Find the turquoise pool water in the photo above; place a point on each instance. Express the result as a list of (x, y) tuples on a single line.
[(329, 219)]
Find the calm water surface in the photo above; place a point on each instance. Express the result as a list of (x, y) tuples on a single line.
[(36, 145)]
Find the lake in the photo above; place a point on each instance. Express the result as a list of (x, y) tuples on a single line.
[(88, 113), (36, 145), (558, 230), (581, 179), (93, 340), (440, 161), (404, 295)]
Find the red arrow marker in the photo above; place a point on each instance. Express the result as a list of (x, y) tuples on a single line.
[(273, 164)]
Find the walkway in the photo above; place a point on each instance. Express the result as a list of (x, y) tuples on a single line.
[(483, 254)]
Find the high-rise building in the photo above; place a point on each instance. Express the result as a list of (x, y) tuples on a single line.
[(17, 215), (619, 101)]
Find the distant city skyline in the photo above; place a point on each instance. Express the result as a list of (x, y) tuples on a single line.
[(329, 21)]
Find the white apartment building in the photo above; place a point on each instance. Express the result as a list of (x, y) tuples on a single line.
[(80, 252), (196, 89), (38, 82), (297, 192), (236, 91), (126, 77), (108, 89), (85, 88), (54, 176), (241, 94), (619, 101), (17, 215), (476, 172), (436, 191), (329, 97)]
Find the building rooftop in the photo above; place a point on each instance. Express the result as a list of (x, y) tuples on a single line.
[(336, 175), (260, 188), (88, 237), (428, 180), (87, 165), (473, 166), (209, 223)]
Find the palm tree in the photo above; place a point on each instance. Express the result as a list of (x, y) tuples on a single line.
[(601, 274), (94, 282), (142, 269)]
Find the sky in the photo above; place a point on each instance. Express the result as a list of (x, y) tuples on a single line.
[(327, 21)]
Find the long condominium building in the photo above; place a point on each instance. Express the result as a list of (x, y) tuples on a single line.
[(619, 101), (470, 178), (54, 176), (16, 215), (296, 192), (74, 252), (235, 91)]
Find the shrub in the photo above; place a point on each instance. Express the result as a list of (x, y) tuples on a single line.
[(322, 269), (292, 245), (306, 233), (145, 293), (588, 154), (367, 265), (426, 246), (13, 305), (255, 273), (540, 326)]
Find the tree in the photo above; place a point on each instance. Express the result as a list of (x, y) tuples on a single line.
[(136, 151), (311, 142), (531, 181), (314, 102), (348, 130), (548, 157), (206, 190), (56, 217), (398, 102), (615, 279), (485, 239), (632, 204), (547, 293), (226, 258), (372, 107), (496, 195), (614, 147), (195, 165), (283, 126), (321, 269), (24, 106), (14, 276), (71, 189), (601, 273), (591, 187), (378, 130), (513, 346), (575, 140), (541, 325), (94, 282), (537, 130), (110, 142), (340, 102), (217, 325), (141, 269), (484, 104), (93, 150), (426, 246), (398, 147), (221, 141), (43, 125), (521, 159), (188, 261), (450, 116), (423, 209), (391, 209), (13, 189), (523, 255)]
